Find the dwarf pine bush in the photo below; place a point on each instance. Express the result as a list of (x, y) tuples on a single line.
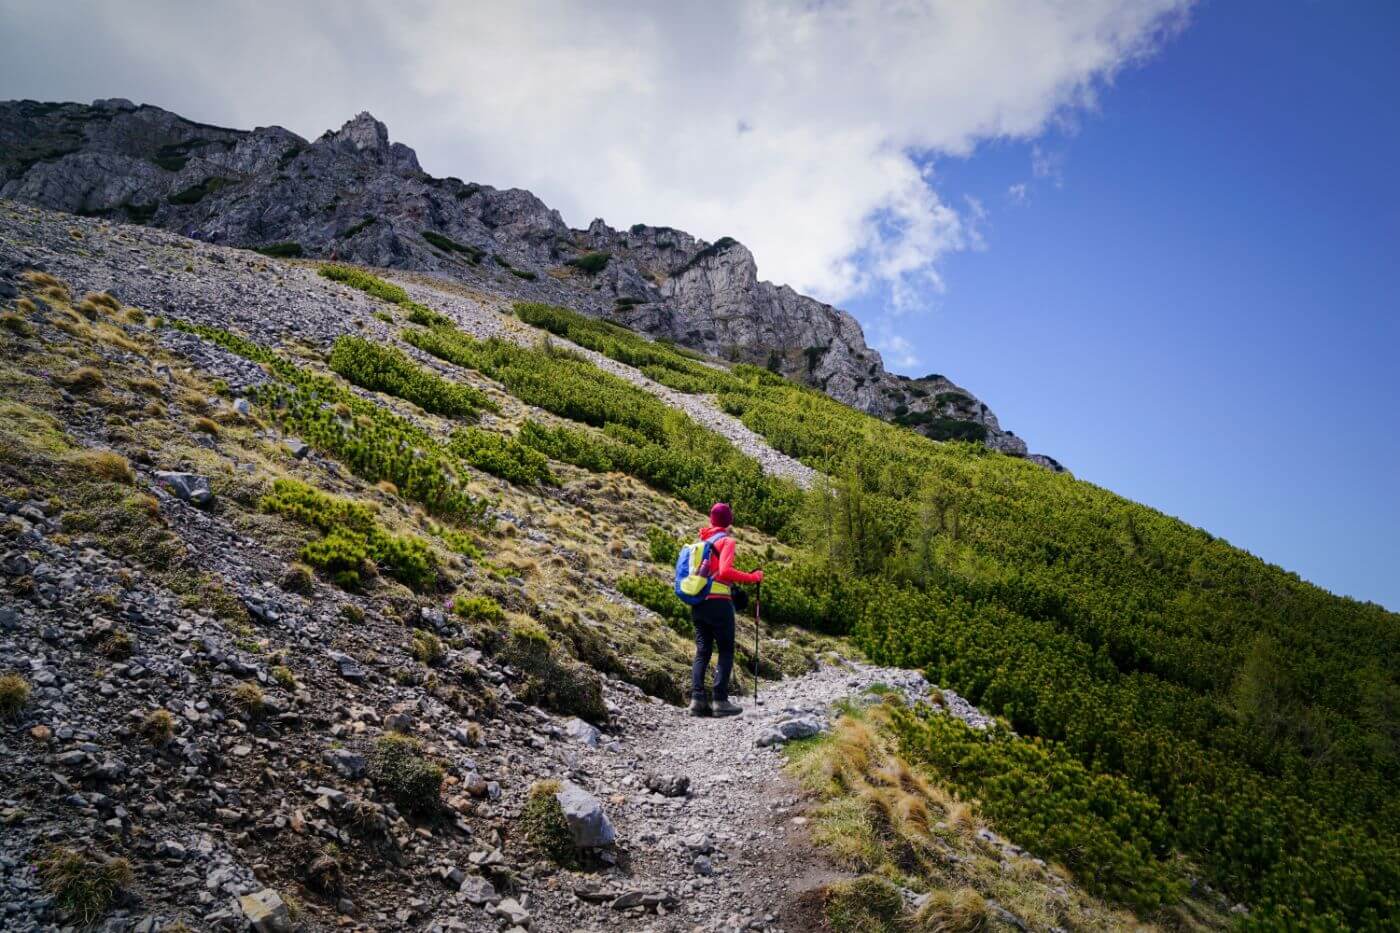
[(385, 369), (372, 441), (351, 535)]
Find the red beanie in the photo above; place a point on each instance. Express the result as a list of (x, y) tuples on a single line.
[(721, 516)]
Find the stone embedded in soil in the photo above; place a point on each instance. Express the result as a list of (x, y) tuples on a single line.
[(189, 487), (588, 824)]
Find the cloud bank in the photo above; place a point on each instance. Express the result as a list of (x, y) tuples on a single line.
[(803, 129)]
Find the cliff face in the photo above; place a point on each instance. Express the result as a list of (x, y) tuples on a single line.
[(354, 195)]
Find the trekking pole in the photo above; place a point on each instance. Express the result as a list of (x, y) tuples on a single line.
[(757, 608)]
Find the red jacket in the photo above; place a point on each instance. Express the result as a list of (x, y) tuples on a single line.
[(723, 552)]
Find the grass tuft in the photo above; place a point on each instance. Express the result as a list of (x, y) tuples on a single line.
[(14, 694), (82, 379), (84, 886), (544, 826), (158, 726), (247, 698), (105, 465), (399, 768)]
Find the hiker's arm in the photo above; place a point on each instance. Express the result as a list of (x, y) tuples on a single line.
[(727, 572)]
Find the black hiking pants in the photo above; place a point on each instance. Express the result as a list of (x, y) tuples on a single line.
[(714, 628)]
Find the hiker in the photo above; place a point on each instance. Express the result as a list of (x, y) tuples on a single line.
[(712, 608)]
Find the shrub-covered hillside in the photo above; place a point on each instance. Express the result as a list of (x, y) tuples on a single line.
[(1164, 691)]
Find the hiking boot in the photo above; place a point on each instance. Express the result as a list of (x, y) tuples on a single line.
[(700, 706), (725, 708)]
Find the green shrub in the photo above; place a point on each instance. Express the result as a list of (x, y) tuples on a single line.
[(385, 369), (552, 680), (350, 536), (287, 250), (83, 885), (448, 245), (660, 599), (357, 228), (662, 546), (403, 772), (481, 609), (385, 291), (590, 263), (501, 456)]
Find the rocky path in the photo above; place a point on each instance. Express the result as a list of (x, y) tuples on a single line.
[(710, 831)]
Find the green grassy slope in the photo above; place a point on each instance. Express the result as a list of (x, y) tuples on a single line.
[(1200, 700)]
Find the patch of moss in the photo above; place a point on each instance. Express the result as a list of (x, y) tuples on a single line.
[(544, 826), (401, 770)]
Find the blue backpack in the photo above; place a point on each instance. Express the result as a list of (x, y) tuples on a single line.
[(693, 579)]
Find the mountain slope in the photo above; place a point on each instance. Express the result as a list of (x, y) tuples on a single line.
[(351, 194), (464, 506)]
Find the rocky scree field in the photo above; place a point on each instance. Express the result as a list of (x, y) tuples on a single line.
[(338, 597)]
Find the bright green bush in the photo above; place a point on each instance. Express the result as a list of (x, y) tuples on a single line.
[(481, 609), (381, 368), (350, 536), (501, 456), (662, 546), (386, 291)]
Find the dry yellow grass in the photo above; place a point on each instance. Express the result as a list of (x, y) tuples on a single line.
[(877, 814), (81, 379), (105, 464)]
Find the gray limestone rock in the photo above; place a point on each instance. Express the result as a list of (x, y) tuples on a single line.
[(588, 824), (189, 487)]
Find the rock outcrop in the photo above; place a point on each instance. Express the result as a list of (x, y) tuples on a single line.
[(354, 195)]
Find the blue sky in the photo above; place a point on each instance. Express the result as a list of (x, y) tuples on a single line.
[(1198, 308)]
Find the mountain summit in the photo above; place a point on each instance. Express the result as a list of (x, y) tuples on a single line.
[(353, 194)]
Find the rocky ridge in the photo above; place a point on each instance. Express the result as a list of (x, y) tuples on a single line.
[(353, 194)]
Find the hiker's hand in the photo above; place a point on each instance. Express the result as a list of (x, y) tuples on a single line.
[(759, 574)]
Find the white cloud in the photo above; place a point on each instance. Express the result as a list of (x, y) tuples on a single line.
[(797, 127), (1017, 193), (897, 350)]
